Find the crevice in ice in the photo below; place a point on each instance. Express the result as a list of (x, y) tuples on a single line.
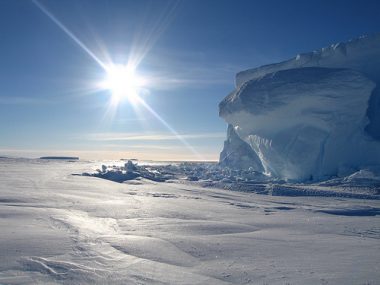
[(373, 114)]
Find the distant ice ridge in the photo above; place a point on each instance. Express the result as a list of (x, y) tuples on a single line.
[(309, 118)]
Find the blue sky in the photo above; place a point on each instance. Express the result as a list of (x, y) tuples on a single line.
[(188, 52)]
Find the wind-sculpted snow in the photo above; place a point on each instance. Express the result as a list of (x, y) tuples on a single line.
[(59, 228), (307, 122)]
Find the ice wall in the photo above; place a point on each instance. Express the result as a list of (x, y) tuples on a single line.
[(308, 118)]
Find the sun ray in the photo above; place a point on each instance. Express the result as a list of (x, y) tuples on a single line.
[(145, 39), (69, 33), (170, 128)]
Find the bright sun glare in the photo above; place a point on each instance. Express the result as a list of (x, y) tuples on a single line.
[(123, 82)]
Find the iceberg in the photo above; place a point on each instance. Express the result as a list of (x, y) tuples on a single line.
[(309, 118)]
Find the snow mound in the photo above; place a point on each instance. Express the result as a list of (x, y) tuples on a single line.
[(299, 121)]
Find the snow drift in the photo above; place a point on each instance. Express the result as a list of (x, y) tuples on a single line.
[(309, 118)]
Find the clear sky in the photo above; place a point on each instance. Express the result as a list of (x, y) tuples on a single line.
[(186, 52)]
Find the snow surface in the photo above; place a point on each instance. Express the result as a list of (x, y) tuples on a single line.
[(308, 118), (59, 228)]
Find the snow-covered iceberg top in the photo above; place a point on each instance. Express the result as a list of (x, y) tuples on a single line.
[(308, 118), (362, 54)]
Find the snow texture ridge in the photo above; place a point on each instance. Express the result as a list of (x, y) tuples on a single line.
[(309, 118)]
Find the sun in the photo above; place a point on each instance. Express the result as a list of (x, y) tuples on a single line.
[(123, 82)]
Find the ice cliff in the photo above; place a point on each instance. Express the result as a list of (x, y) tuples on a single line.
[(308, 118)]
